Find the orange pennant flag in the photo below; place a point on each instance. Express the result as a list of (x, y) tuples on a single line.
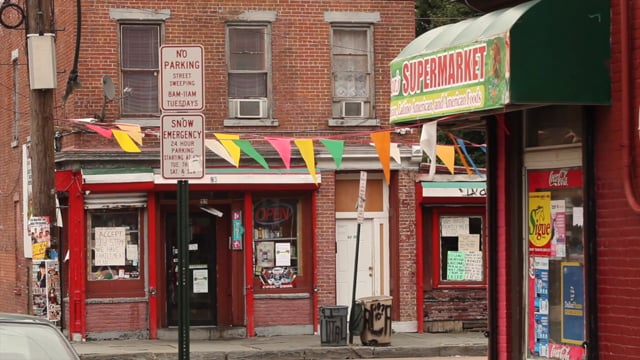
[(306, 150), (125, 141), (382, 141), (447, 155)]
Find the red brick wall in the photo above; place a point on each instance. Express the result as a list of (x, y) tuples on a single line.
[(407, 246), (113, 317), (273, 312), (617, 224), (326, 240), (455, 304)]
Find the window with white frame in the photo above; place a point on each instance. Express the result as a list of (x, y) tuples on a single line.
[(248, 62), (352, 63), (139, 58)]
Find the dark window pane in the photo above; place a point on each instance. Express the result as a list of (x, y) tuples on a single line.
[(247, 49), (140, 46), (247, 85), (143, 98)]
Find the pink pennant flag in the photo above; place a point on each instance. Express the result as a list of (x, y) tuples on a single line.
[(101, 131), (283, 147)]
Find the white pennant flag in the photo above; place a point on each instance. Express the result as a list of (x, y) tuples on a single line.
[(428, 142), (215, 146)]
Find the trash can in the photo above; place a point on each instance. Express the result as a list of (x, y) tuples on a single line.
[(377, 320), (333, 325)]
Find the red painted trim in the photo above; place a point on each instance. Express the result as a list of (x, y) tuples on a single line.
[(314, 246), (119, 187), (419, 259), (153, 275), (248, 245)]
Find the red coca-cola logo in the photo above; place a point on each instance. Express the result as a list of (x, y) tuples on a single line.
[(558, 179)]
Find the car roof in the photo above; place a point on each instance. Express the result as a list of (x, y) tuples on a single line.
[(23, 318)]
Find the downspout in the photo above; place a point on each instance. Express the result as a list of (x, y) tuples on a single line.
[(625, 53)]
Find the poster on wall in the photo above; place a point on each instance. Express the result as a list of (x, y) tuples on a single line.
[(40, 234), (538, 305), (539, 223), (265, 253), (46, 290), (572, 303)]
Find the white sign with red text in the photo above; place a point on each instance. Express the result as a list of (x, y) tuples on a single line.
[(182, 154), (181, 78)]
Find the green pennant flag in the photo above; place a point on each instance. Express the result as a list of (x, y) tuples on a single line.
[(248, 149), (336, 149)]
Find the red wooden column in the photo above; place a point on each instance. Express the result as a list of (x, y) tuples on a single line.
[(248, 251), (153, 276), (71, 182)]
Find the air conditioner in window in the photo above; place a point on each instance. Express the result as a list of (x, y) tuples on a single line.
[(249, 108), (352, 108)]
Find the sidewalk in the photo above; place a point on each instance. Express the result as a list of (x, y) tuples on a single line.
[(302, 347)]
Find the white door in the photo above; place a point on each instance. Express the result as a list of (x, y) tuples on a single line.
[(346, 234)]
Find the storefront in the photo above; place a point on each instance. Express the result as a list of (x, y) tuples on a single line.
[(251, 252), (452, 231), (532, 75)]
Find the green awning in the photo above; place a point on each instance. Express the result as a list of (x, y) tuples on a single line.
[(538, 52)]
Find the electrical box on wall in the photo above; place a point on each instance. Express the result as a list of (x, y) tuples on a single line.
[(42, 61)]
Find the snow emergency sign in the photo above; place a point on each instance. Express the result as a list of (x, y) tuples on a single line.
[(181, 78), (182, 146)]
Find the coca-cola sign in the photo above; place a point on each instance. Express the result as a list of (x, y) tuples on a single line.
[(558, 178), (565, 352)]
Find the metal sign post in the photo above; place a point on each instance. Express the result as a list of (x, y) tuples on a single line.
[(356, 316), (183, 269)]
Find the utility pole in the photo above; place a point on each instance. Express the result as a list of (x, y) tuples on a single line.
[(40, 21)]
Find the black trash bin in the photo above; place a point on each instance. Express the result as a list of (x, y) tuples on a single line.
[(333, 325)]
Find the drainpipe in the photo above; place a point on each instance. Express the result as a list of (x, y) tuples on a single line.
[(625, 53)]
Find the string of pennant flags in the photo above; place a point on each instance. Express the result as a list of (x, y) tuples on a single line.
[(229, 147)]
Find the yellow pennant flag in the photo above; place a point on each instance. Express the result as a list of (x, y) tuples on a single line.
[(447, 154), (227, 141), (125, 141), (306, 150), (382, 141), (133, 130)]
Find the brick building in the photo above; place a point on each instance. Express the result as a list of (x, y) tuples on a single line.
[(554, 85), (271, 235)]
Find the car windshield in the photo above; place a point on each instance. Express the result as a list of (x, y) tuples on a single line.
[(33, 341)]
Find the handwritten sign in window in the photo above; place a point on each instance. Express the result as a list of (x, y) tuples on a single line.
[(468, 242), (454, 226), (473, 265), (110, 248), (455, 266)]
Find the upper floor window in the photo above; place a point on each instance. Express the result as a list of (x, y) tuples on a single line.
[(249, 63), (139, 58), (351, 61)]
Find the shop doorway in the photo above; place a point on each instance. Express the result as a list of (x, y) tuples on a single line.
[(202, 269)]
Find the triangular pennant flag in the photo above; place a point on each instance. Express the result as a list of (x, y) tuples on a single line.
[(125, 141), (464, 148), (336, 149), (245, 145), (428, 141), (306, 150), (101, 131), (227, 141), (283, 147), (394, 151), (447, 154), (483, 148), (382, 140), (215, 146), (133, 130)]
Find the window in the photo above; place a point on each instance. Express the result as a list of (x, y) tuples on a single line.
[(114, 241), (351, 58), (248, 61), (139, 57), (281, 243), (458, 248)]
